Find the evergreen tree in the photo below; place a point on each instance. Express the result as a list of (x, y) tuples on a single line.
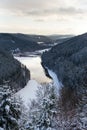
[(43, 110), (9, 109), (24, 114)]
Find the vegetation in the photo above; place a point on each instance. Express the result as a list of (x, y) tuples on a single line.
[(9, 109), (22, 42), (47, 112), (11, 70), (69, 61)]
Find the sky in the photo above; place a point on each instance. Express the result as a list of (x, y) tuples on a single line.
[(43, 16)]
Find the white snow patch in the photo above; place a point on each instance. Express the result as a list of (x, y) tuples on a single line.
[(28, 93), (43, 50), (7, 108), (56, 82), (1, 128), (55, 43), (40, 42), (12, 41)]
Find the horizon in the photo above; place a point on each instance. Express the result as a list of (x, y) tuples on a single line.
[(46, 17), (39, 34)]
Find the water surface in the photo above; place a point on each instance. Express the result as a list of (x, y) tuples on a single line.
[(36, 70)]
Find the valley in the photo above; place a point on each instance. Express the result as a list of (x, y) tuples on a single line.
[(49, 82)]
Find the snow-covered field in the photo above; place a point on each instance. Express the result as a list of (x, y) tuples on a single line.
[(28, 93)]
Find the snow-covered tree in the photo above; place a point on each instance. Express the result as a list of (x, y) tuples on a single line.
[(24, 114), (9, 109), (42, 115)]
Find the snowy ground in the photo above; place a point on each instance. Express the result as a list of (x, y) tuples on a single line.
[(41, 51), (56, 82), (28, 93)]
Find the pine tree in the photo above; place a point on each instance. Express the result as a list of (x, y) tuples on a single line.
[(43, 110), (9, 109), (24, 114)]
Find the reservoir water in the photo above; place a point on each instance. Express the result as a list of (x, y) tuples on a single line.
[(38, 77), (35, 67)]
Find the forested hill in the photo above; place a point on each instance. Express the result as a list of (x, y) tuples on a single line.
[(24, 42), (69, 61), (60, 38), (12, 71)]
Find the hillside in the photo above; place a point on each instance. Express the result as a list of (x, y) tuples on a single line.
[(23, 42), (60, 38), (12, 71), (69, 61)]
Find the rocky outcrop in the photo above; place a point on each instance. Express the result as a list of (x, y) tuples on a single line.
[(12, 71)]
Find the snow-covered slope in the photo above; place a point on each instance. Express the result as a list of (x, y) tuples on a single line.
[(69, 61), (56, 82), (28, 92)]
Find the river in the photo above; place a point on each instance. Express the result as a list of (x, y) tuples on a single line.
[(36, 70), (38, 77)]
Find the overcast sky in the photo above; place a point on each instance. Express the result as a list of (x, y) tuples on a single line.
[(43, 16)]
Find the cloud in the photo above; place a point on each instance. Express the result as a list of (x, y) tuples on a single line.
[(44, 15), (38, 8), (40, 20)]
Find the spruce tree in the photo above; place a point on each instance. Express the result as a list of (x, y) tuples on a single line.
[(24, 113), (9, 109), (43, 110)]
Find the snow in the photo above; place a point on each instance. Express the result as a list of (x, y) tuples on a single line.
[(12, 41), (28, 93), (56, 82), (43, 50), (40, 42), (55, 43), (7, 108), (1, 128)]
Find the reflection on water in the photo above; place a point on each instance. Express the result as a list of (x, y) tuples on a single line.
[(36, 70)]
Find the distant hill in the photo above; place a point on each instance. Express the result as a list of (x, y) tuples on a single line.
[(24, 42), (12, 71), (69, 61), (60, 38)]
